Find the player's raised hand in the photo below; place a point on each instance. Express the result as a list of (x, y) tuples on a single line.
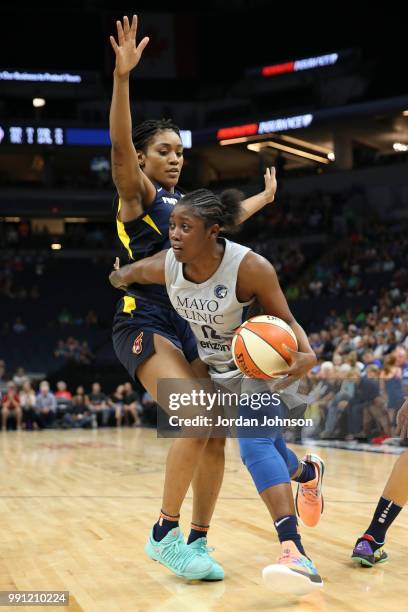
[(127, 53), (270, 183)]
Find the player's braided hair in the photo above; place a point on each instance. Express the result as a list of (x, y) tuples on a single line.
[(144, 132), (211, 208)]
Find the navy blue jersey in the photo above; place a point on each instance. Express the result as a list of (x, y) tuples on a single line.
[(145, 236)]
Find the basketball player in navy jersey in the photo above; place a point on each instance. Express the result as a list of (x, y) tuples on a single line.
[(149, 338), (368, 550), (194, 268)]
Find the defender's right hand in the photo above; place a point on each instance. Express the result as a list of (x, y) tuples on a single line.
[(127, 53)]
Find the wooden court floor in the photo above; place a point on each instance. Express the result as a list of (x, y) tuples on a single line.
[(76, 508)]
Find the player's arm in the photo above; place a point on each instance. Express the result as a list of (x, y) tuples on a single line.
[(135, 190), (252, 205), (257, 278), (148, 271)]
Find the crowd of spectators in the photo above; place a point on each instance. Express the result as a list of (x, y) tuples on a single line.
[(74, 351), (22, 407), (348, 271), (19, 276), (362, 378), (354, 392)]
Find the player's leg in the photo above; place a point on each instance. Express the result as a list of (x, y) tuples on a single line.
[(145, 349), (206, 486), (368, 549), (294, 572), (308, 472), (209, 474), (183, 458)]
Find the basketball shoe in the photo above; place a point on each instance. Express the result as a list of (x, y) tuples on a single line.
[(293, 573), (309, 501)]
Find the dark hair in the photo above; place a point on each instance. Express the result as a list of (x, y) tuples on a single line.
[(144, 132), (211, 208)]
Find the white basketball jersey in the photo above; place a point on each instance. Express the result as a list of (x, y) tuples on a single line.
[(211, 308)]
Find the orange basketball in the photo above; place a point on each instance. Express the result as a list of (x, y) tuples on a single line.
[(257, 346)]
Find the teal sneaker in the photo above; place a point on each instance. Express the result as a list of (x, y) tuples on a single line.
[(173, 552), (216, 572)]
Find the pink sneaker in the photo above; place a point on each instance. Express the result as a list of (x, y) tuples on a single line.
[(309, 501), (293, 574)]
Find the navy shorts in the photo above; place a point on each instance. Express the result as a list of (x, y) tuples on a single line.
[(132, 333)]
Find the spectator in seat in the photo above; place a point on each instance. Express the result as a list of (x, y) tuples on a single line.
[(367, 404), (62, 391), (116, 401), (98, 403), (11, 405), (61, 352), (369, 359), (46, 405), (149, 410), (80, 398), (20, 377), (28, 403), (347, 377), (63, 398), (79, 414), (401, 361), (391, 385), (85, 355), (131, 403), (324, 391)]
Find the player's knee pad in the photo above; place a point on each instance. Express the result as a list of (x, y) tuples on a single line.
[(264, 462), (292, 461)]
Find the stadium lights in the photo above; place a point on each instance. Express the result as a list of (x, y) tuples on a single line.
[(307, 144), (38, 102), (235, 140), (56, 246), (400, 147), (297, 152)]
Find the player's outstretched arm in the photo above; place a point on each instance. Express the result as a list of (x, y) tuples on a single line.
[(134, 188), (257, 277), (148, 271), (252, 205)]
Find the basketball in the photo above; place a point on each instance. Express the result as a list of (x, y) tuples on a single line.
[(258, 346)]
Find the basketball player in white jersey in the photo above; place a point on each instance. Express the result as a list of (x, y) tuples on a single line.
[(211, 282)]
